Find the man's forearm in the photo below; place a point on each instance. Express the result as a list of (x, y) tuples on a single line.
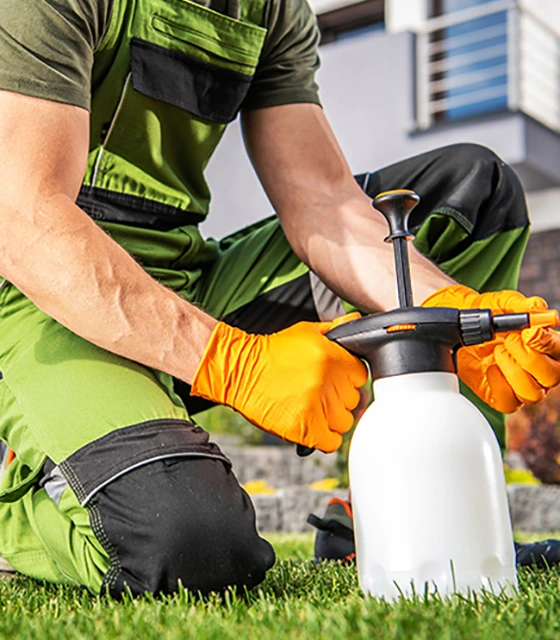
[(58, 257), (328, 220), (342, 241)]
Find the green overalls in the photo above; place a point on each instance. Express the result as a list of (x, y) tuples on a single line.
[(169, 75)]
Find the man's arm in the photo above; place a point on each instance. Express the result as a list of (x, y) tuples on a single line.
[(327, 218), (58, 257)]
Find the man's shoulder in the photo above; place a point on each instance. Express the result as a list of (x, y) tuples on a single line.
[(286, 11), (47, 47), (289, 60)]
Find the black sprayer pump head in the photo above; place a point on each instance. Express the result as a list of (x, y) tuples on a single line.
[(413, 339)]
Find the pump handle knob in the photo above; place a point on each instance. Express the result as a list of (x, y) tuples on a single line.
[(396, 206)]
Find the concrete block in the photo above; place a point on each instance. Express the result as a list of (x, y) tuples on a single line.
[(534, 507), (269, 512), (287, 510), (279, 466)]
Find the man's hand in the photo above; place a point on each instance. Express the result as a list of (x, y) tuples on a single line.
[(295, 383), (514, 368)]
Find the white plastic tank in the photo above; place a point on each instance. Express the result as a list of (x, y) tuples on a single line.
[(428, 493)]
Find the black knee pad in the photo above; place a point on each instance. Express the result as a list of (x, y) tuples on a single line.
[(476, 166), (466, 182), (166, 507), (179, 520)]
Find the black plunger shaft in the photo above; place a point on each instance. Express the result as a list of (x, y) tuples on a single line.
[(402, 269), (396, 206)]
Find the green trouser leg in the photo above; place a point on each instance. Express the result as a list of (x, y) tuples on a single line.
[(59, 392), (48, 541)]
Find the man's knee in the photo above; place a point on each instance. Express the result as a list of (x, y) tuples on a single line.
[(482, 187), (181, 520), (480, 162), (472, 154)]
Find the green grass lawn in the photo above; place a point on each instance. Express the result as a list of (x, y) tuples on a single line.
[(297, 600)]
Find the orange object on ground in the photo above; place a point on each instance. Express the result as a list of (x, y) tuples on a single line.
[(514, 368), (344, 504), (296, 383)]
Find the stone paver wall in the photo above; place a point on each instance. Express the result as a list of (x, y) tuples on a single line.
[(280, 466), (532, 508)]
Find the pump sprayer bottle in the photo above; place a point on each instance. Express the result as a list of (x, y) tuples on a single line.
[(426, 474)]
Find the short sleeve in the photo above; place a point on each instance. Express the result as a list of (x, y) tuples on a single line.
[(289, 60), (47, 47)]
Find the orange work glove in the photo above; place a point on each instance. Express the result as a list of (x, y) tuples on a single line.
[(514, 368), (296, 383)]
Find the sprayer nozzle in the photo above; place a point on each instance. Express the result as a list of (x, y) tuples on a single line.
[(548, 318), (518, 321)]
